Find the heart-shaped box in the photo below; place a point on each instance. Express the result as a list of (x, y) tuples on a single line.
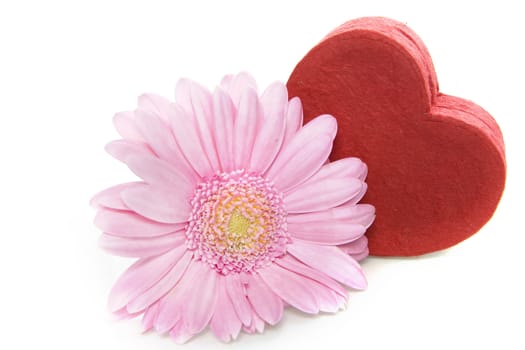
[(436, 162)]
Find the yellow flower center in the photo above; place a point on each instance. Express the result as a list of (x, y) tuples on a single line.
[(238, 222), (238, 226)]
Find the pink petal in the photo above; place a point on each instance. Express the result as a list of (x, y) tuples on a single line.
[(129, 224), (163, 286), (291, 287), (183, 95), (329, 294), (149, 317), (153, 120), (357, 249), (199, 305), (155, 104), (226, 82), (126, 126), (140, 247), (330, 260), (363, 173), (140, 276), (123, 314), (322, 195), (361, 256), (224, 112), (305, 154), (201, 100), (236, 85), (185, 129), (322, 125), (267, 305), (237, 294), (303, 164), (344, 168), (269, 137), (194, 99), (249, 116), (327, 232), (294, 119), (160, 173), (180, 334), (224, 323), (294, 265), (256, 325), (331, 186), (362, 214), (110, 197), (358, 168), (160, 138), (249, 329), (123, 149), (358, 196), (158, 204), (328, 300), (174, 305)]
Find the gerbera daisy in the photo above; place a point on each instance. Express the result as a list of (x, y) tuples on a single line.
[(238, 214)]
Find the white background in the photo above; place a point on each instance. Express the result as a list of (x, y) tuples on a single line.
[(67, 67)]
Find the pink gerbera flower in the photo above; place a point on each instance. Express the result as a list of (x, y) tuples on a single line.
[(238, 213)]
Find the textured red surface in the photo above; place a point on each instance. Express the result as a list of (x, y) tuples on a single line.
[(436, 162)]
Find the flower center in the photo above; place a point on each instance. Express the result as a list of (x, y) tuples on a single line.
[(238, 222)]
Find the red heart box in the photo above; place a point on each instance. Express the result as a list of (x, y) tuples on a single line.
[(436, 162)]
